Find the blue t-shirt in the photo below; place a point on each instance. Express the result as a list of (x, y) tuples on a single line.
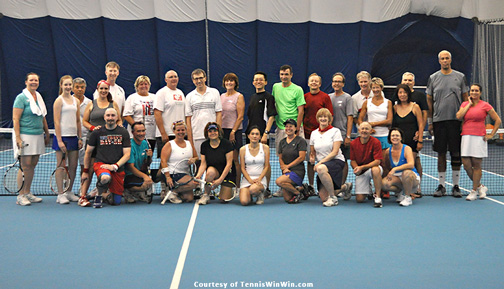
[(29, 123), (138, 155)]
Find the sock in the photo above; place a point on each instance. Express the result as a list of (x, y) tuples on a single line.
[(442, 178), (456, 177)]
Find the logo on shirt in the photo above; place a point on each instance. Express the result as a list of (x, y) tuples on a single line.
[(110, 140), (177, 97)]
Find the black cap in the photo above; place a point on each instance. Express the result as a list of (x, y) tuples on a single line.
[(291, 121)]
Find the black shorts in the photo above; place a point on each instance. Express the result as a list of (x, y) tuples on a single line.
[(132, 181), (335, 168), (447, 137), (345, 151), (238, 136), (160, 144)]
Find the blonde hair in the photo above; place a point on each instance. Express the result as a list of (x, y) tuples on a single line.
[(63, 78), (324, 112), (378, 81), (140, 79)]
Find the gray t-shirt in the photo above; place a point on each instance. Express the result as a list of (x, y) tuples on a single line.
[(446, 92), (343, 106), (290, 152)]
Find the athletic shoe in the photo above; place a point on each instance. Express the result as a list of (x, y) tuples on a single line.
[(22, 200), (33, 199), (198, 193), (71, 197), (62, 199), (163, 195), (406, 202), (309, 191), (98, 202), (260, 199), (267, 193), (278, 193), (400, 197), (295, 199), (440, 191), (473, 195), (347, 193), (378, 202), (83, 202), (385, 195), (482, 191), (339, 195), (370, 196), (331, 201), (142, 196), (456, 192), (204, 199), (127, 196), (174, 198)]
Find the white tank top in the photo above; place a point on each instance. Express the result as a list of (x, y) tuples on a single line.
[(68, 121), (177, 164), (378, 113), (254, 165)]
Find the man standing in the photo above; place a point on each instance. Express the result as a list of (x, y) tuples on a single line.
[(343, 109), (79, 87), (113, 148), (137, 182), (315, 99), (203, 105), (446, 90), (364, 80), (366, 156), (117, 92)]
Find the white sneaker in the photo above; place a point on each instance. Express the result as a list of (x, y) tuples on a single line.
[(482, 191), (406, 202), (33, 199), (378, 202), (22, 200), (71, 197), (400, 198), (173, 198), (278, 193), (331, 201), (62, 199), (260, 199), (203, 200), (473, 195)]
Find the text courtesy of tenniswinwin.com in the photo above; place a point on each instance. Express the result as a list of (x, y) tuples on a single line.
[(257, 284)]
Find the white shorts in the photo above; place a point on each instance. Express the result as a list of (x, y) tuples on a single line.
[(417, 178), (473, 146), (362, 182), (35, 144), (245, 184)]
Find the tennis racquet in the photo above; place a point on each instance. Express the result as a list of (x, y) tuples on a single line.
[(13, 180), (60, 178), (234, 191), (147, 163), (191, 171)]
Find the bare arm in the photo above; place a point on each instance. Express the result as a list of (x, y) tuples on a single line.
[(362, 113), (16, 116), (300, 118), (158, 115), (497, 122)]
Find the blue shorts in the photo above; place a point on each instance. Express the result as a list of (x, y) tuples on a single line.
[(295, 178), (384, 142), (71, 143)]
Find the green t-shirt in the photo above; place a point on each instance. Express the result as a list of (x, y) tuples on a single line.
[(287, 100), (29, 123)]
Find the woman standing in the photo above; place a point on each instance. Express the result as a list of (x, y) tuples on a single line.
[(233, 110), (67, 137), (474, 137), (217, 162), (139, 107), (30, 125), (254, 160)]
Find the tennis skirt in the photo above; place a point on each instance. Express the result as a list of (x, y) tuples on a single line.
[(36, 145), (473, 146)]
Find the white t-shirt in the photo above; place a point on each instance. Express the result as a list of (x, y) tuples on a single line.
[(203, 110), (171, 104), (323, 143), (139, 107), (84, 103), (118, 95)]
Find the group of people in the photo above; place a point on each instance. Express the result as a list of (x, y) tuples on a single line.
[(204, 129)]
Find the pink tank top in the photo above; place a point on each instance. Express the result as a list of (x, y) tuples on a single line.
[(229, 112)]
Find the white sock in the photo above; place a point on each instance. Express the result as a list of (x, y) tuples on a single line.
[(442, 178), (456, 177)]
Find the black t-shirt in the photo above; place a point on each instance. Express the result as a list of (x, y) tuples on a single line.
[(290, 152), (109, 144), (216, 157), (416, 97), (255, 111)]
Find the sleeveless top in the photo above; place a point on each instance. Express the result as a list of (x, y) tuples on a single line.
[(378, 113), (402, 161), (254, 165), (177, 164), (409, 126), (68, 119), (97, 114), (229, 112)]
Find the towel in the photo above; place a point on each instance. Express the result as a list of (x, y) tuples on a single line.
[(39, 109)]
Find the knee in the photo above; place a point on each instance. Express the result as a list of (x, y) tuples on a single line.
[(456, 161), (360, 198)]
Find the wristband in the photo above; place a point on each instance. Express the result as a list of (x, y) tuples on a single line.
[(116, 167), (84, 170), (420, 142), (92, 128), (165, 170)]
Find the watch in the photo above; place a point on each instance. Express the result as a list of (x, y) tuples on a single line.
[(266, 131)]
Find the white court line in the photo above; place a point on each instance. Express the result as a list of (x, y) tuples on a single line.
[(493, 200), (448, 161), (185, 247)]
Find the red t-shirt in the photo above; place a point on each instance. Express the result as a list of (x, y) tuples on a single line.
[(363, 154), (314, 102), (474, 119)]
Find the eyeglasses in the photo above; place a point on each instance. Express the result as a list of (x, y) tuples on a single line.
[(337, 81), (199, 78)]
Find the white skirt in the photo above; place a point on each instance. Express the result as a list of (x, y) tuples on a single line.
[(245, 184), (473, 146), (35, 144)]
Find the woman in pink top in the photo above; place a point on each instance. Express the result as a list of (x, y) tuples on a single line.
[(233, 110), (474, 137)]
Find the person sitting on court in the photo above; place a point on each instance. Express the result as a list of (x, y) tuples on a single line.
[(291, 155), (325, 144), (176, 157), (137, 181), (113, 147), (254, 160), (217, 163), (366, 156), (402, 176)]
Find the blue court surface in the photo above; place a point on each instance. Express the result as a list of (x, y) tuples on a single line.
[(436, 243)]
